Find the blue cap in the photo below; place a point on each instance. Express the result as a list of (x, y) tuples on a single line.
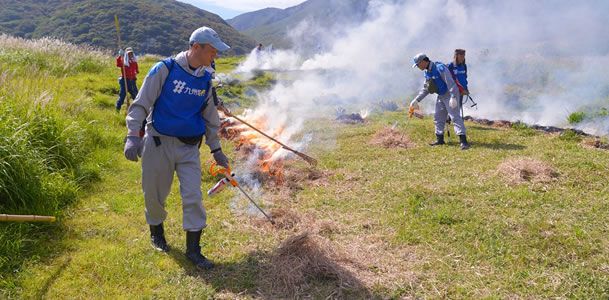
[(418, 58), (206, 35)]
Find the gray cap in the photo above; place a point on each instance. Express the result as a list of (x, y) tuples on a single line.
[(418, 58), (206, 35)]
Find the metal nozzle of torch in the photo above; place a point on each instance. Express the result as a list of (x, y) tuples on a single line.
[(229, 177)]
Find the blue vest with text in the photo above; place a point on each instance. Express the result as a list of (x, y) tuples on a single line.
[(434, 75), (459, 72), (178, 111)]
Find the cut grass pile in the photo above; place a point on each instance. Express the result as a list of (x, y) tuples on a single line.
[(304, 258), (389, 137), (523, 170)]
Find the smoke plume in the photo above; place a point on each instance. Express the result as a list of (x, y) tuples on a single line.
[(534, 61)]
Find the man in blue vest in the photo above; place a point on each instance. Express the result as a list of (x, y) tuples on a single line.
[(176, 106), (438, 80)]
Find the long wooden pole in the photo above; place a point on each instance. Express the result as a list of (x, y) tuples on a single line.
[(118, 35), (25, 218)]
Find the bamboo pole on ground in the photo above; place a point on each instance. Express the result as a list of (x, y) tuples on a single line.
[(25, 218)]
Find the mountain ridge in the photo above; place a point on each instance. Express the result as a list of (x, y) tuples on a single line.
[(157, 27), (272, 25)]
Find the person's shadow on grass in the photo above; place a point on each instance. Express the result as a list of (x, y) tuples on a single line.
[(253, 276)]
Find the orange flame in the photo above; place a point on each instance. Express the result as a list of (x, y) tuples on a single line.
[(248, 142)]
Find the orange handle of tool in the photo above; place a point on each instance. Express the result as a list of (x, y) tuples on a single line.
[(411, 112), (214, 170)]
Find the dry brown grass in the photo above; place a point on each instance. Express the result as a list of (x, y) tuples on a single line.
[(337, 257), (303, 258), (295, 179), (285, 218), (327, 227), (523, 170), (351, 261), (375, 262), (391, 138), (595, 143), (502, 124)]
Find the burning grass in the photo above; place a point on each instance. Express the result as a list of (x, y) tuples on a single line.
[(523, 170), (302, 259), (249, 143), (389, 137)]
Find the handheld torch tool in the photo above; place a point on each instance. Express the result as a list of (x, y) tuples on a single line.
[(229, 178)]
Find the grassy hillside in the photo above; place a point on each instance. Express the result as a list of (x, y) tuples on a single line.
[(523, 214), (53, 143), (158, 27)]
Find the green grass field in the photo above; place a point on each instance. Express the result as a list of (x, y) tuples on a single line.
[(416, 222)]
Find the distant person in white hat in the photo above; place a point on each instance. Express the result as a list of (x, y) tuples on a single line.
[(176, 106), (439, 80), (129, 71)]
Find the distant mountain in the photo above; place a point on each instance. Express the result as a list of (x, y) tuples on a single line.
[(257, 18), (150, 26), (271, 25)]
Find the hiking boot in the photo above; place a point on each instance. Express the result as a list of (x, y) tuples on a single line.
[(439, 140), (193, 251), (464, 143), (157, 238)]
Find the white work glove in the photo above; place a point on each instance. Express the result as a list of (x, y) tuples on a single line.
[(414, 104), (133, 147), (453, 102), (220, 158)]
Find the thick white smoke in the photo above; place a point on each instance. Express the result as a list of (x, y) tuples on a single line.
[(535, 61), (268, 59)]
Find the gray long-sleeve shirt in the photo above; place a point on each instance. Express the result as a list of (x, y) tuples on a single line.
[(142, 106), (453, 90)]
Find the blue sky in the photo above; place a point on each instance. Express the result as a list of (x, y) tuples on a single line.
[(231, 8)]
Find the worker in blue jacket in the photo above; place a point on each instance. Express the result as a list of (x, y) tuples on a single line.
[(459, 70), (439, 80)]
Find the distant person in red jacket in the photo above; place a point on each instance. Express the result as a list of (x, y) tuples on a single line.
[(129, 70)]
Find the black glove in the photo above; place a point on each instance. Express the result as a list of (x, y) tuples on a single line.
[(220, 158)]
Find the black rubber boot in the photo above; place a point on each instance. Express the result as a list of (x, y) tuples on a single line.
[(193, 251), (157, 238), (439, 140), (464, 143)]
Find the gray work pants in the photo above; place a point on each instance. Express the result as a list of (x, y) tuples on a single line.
[(158, 166), (443, 110)]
